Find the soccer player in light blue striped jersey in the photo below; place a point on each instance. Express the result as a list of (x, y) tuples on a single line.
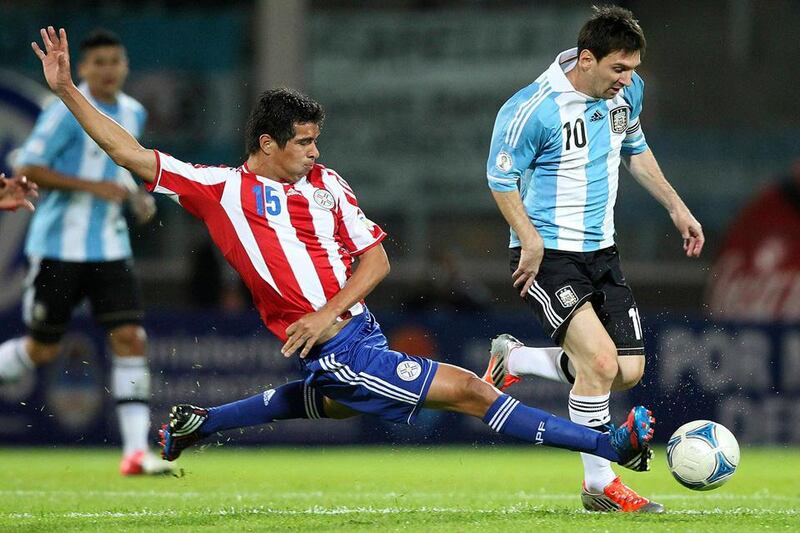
[(553, 170), (78, 245)]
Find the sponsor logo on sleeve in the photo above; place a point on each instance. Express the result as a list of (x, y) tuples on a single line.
[(504, 161)]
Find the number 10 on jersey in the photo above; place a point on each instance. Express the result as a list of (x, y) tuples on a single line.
[(575, 133)]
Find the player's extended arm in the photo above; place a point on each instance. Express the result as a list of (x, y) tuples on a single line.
[(646, 171), (112, 138), (510, 205), (373, 266), (48, 178)]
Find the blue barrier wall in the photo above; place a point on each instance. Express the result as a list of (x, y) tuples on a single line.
[(744, 376)]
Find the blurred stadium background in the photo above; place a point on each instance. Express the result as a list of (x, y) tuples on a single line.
[(411, 89)]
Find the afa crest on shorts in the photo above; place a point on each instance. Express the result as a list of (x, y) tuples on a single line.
[(567, 297), (619, 119)]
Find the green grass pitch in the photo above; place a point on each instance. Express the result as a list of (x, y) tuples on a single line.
[(485, 488)]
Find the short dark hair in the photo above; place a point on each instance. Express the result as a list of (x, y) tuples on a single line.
[(611, 28), (276, 112), (97, 38)]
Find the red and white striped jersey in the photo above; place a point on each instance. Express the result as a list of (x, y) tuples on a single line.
[(293, 245)]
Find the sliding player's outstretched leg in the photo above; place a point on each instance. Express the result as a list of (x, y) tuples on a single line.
[(456, 389), (182, 430), (189, 424)]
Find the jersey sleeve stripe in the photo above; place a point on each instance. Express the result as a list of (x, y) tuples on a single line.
[(151, 186), (527, 116), (524, 112), (521, 111), (369, 247), (501, 180)]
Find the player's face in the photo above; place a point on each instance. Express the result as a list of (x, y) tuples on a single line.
[(104, 69), (613, 72), (300, 153)]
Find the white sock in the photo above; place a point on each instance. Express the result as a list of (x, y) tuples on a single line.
[(593, 412), (543, 362), (130, 386), (14, 360)]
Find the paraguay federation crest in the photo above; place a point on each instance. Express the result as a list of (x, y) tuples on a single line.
[(323, 198), (619, 119), (409, 370)]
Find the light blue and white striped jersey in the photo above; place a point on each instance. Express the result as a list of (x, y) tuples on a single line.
[(561, 149), (72, 225)]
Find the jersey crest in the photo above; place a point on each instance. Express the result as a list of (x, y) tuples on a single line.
[(567, 297), (408, 370), (619, 119), (324, 198)]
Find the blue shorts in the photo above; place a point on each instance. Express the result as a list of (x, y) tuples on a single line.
[(356, 368)]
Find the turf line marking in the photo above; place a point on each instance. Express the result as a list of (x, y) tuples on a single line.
[(760, 496), (317, 510)]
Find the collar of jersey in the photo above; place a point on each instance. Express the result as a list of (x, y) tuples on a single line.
[(557, 73), (245, 168)]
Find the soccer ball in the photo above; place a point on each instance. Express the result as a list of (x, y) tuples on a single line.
[(702, 455)]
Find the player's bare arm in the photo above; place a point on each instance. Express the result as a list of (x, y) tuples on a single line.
[(16, 192), (510, 205), (112, 138), (50, 179), (373, 266), (646, 171)]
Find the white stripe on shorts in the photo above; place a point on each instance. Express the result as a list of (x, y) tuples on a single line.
[(550, 314), (345, 374)]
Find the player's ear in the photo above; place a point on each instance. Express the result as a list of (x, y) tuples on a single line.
[(586, 59), (267, 143)]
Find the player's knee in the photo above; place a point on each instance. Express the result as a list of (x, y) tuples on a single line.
[(128, 340), (631, 371), (477, 393), (603, 365), (42, 353)]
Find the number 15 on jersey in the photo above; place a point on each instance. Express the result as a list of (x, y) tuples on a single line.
[(267, 200)]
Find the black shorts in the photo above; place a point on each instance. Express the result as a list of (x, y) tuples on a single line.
[(54, 288), (568, 279)]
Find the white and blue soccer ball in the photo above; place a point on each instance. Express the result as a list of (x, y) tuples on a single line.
[(702, 455)]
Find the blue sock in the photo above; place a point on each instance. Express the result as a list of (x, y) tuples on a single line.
[(509, 417), (293, 400)]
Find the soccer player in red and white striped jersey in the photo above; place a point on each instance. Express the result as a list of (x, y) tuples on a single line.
[(292, 241), (292, 229)]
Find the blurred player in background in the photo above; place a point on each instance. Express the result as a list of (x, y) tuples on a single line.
[(16, 192), (553, 170), (292, 229), (78, 245)]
